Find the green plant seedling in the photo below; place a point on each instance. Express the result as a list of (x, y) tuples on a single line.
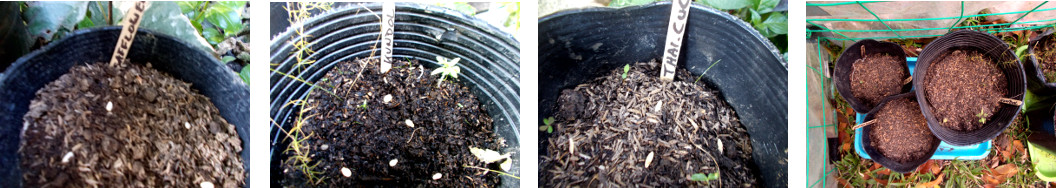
[(982, 115), (364, 105), (547, 125), (626, 68), (448, 68), (701, 177)]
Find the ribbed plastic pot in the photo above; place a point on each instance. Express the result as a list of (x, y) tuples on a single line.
[(1036, 81), (996, 50), (867, 143), (845, 65), (176, 58), (578, 45), (490, 61)]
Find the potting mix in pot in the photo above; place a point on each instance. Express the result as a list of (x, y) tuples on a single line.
[(630, 128), (900, 132), (405, 127), (876, 76), (1045, 52), (126, 125), (964, 88)]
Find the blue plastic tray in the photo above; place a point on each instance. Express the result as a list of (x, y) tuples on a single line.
[(945, 151)]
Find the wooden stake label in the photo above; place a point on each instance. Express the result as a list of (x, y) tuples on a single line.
[(128, 32), (388, 13), (676, 27)]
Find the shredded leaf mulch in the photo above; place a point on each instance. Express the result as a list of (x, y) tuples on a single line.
[(356, 128), (607, 129), (901, 132), (127, 125), (964, 88), (877, 76)]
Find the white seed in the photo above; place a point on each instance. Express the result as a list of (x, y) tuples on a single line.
[(387, 98), (409, 123), (720, 146), (658, 106), (206, 184), (392, 163), (346, 172), (437, 176), (648, 159), (67, 157), (571, 147), (324, 147), (187, 125), (109, 106)]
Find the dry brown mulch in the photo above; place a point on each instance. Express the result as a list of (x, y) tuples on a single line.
[(606, 128), (158, 133), (875, 77), (964, 88), (901, 132)]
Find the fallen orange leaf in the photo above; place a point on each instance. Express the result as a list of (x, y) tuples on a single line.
[(846, 147), (885, 172), (989, 179), (1006, 169), (924, 168), (932, 183), (1018, 145), (936, 169), (990, 186)]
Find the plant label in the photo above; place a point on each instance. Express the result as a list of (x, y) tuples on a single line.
[(676, 27), (128, 32), (388, 13)]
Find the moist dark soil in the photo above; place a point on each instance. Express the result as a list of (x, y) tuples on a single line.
[(364, 138), (901, 132), (157, 132), (877, 76), (964, 88), (1046, 54), (606, 128)]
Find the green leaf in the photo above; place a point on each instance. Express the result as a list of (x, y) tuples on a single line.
[(165, 17), (98, 15), (626, 68), (227, 58), (704, 177), (623, 3), (45, 18), (765, 6), (227, 15), (212, 35), (775, 24), (549, 129), (244, 74), (548, 120), (1020, 50), (727, 4)]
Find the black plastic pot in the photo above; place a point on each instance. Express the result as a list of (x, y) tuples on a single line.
[(1036, 81), (180, 60), (996, 50), (490, 62), (845, 65), (884, 160), (579, 45)]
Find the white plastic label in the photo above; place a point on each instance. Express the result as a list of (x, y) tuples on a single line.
[(388, 13), (128, 32), (676, 28)]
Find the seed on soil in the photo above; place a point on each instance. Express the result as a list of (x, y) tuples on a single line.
[(109, 106), (437, 176), (66, 158), (648, 159), (186, 125), (571, 147), (206, 184), (392, 163), (720, 145), (324, 147), (409, 123), (345, 171), (386, 99)]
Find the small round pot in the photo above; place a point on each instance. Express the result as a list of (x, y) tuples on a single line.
[(901, 167), (490, 65), (995, 49), (1036, 81), (172, 56), (845, 65)]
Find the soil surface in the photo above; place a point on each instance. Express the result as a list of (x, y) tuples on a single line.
[(127, 125), (605, 130), (877, 76), (901, 132), (1046, 54), (365, 138), (964, 88)]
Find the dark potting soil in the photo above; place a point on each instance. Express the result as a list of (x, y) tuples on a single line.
[(964, 88), (1045, 52), (901, 132), (358, 130), (126, 125), (876, 76), (606, 129)]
